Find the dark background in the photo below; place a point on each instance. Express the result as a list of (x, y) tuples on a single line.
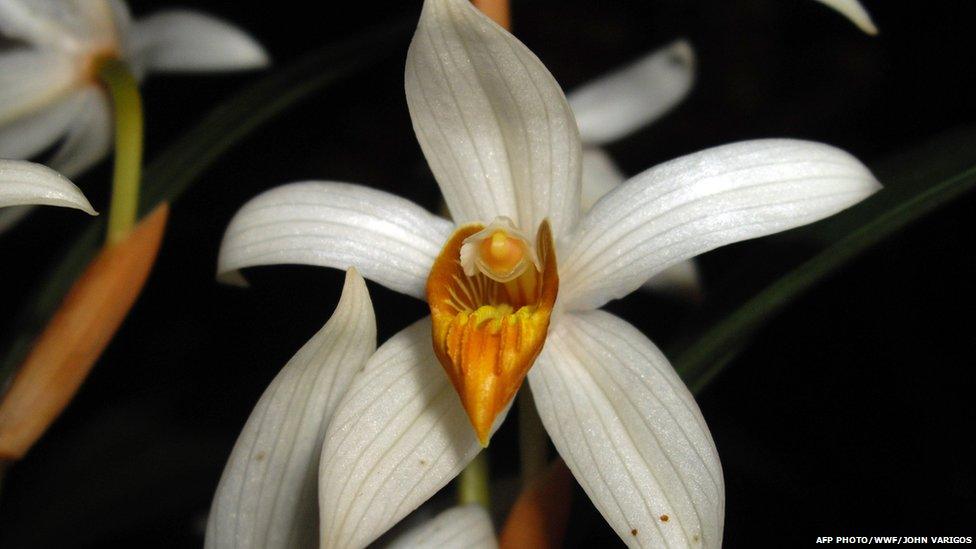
[(850, 414)]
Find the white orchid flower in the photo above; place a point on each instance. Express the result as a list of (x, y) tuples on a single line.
[(620, 103), (49, 90), (23, 183), (504, 147)]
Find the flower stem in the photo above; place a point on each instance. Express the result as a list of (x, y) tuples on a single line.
[(127, 107), (533, 446), (473, 482)]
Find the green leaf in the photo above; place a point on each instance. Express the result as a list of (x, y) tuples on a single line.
[(173, 170), (916, 183)]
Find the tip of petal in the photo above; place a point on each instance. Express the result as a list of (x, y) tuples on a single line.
[(258, 59), (232, 278), (855, 12), (682, 52)]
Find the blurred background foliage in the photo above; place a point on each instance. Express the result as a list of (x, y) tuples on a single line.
[(850, 413)]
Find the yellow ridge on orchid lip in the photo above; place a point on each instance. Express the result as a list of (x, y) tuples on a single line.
[(486, 333)]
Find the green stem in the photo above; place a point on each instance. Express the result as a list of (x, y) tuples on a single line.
[(533, 440), (473, 482), (127, 107)]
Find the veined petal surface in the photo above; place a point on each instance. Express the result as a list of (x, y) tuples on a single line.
[(28, 183), (853, 10), (267, 496), (390, 240), (89, 136), (630, 432), (32, 80), (461, 527), (600, 176), (699, 202), (397, 438), (633, 96), (491, 120), (185, 40)]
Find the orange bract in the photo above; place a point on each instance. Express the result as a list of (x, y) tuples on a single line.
[(487, 334), (76, 336), (540, 515), (497, 10)]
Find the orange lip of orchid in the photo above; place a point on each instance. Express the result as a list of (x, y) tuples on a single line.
[(491, 294)]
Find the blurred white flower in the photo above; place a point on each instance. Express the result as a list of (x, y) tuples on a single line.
[(853, 10), (505, 149), (633, 96), (23, 183), (49, 90)]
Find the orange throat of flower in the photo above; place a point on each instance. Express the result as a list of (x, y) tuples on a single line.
[(491, 294)]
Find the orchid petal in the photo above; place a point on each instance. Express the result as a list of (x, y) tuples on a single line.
[(103, 22), (699, 202), (89, 137), (37, 131), (32, 80), (267, 493), (118, 24), (389, 239), (461, 527), (627, 99), (28, 183), (60, 23), (600, 176), (492, 122), (32, 21), (853, 10), (397, 438), (185, 40), (630, 432)]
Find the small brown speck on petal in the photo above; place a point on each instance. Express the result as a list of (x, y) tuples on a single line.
[(664, 518), (634, 532)]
